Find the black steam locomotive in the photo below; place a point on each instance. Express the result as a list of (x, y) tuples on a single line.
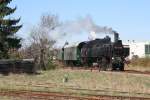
[(103, 53)]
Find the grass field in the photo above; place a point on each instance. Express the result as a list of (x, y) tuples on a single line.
[(80, 82), (9, 98)]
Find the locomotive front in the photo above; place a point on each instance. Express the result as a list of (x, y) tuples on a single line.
[(120, 52)]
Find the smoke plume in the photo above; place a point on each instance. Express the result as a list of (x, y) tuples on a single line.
[(78, 26)]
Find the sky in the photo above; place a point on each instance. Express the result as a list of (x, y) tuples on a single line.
[(131, 18)]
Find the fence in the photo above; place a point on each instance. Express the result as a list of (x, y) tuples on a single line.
[(17, 66)]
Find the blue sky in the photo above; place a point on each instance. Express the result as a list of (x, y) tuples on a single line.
[(131, 18)]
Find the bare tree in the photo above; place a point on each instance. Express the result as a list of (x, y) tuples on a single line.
[(41, 42), (49, 21)]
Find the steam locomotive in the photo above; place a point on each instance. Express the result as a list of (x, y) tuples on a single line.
[(104, 53)]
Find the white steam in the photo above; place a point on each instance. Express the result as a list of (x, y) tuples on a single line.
[(92, 36)]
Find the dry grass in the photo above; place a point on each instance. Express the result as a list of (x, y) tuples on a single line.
[(10, 98), (137, 68), (139, 64), (52, 80), (142, 62)]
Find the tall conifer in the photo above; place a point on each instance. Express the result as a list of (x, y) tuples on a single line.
[(8, 28)]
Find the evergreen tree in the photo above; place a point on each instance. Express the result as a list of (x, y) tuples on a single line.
[(8, 28)]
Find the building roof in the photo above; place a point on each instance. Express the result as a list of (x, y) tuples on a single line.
[(74, 44), (135, 42)]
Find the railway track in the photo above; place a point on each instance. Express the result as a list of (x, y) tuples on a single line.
[(96, 69), (43, 95), (106, 90), (38, 95)]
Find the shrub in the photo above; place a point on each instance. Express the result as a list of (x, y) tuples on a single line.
[(50, 65)]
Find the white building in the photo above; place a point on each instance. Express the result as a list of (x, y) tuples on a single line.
[(139, 49)]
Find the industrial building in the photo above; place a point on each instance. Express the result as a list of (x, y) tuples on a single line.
[(138, 49)]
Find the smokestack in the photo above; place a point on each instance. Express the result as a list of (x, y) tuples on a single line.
[(116, 36)]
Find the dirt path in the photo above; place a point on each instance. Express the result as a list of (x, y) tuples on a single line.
[(37, 95)]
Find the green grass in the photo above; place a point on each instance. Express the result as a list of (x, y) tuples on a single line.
[(52, 81)]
